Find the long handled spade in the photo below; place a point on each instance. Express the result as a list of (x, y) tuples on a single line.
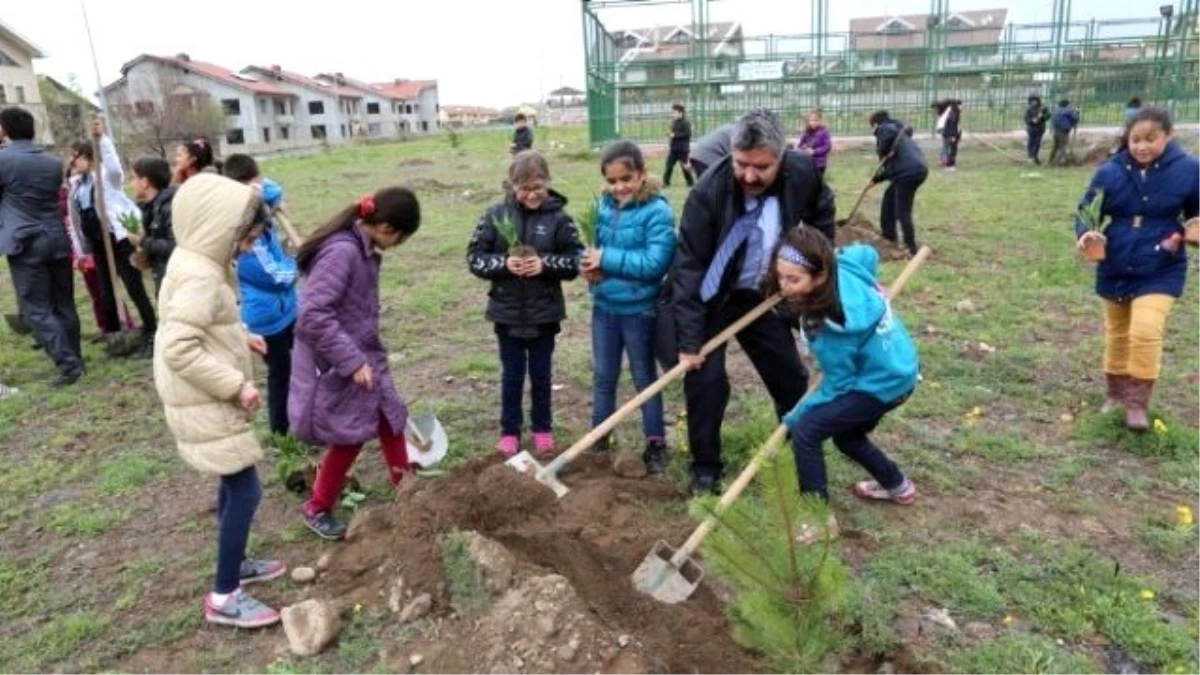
[(106, 228), (289, 229), (672, 575), (548, 474)]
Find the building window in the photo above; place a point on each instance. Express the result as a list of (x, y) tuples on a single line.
[(424, 125), (235, 137), (343, 131), (374, 129), (20, 94), (231, 106), (284, 133), (280, 107), (262, 106), (408, 109), (372, 108), (318, 131), (316, 108), (266, 133), (143, 108), (885, 59), (958, 56)]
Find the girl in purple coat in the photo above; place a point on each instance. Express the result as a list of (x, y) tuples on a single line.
[(816, 142), (341, 390)]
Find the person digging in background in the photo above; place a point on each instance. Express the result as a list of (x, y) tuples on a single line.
[(635, 241), (816, 142), (680, 138), (901, 163), (267, 280), (153, 190), (526, 246), (1064, 119), (949, 127), (1148, 188), (342, 394), (710, 149), (204, 375), (1036, 117), (869, 363), (522, 139)]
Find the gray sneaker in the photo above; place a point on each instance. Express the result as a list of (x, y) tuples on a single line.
[(254, 571), (240, 611)]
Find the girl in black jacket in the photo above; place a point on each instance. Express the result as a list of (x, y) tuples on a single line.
[(901, 163), (526, 246)]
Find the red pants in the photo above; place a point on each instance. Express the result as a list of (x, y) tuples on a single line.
[(331, 477)]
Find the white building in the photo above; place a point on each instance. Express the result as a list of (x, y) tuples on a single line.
[(18, 83)]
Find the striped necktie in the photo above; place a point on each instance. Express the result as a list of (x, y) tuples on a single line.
[(738, 234)]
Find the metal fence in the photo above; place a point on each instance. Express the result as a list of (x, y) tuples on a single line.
[(1097, 65)]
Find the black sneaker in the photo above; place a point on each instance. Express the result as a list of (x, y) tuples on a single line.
[(146, 352), (325, 525), (67, 379), (655, 457), (704, 483)]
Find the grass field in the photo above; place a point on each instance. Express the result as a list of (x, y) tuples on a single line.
[(1042, 524)]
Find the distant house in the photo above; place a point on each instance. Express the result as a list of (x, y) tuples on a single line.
[(18, 83), (566, 97), (316, 112), (898, 43), (662, 54), (456, 116), (368, 111), (67, 110), (416, 101)]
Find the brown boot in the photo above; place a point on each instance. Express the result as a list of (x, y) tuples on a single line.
[(1117, 385), (1137, 404)]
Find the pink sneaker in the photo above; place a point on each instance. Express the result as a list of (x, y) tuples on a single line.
[(543, 442), (906, 494), (509, 445)]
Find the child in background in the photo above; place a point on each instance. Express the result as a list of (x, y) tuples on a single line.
[(204, 375), (635, 242), (342, 393), (192, 158), (522, 135), (949, 127), (868, 363), (267, 279), (83, 260), (1150, 187), (816, 142), (526, 299), (153, 190)]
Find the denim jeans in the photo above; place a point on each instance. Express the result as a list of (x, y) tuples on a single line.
[(519, 356), (847, 420), (1033, 142), (612, 336)]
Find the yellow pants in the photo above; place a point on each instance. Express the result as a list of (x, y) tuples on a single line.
[(1133, 335)]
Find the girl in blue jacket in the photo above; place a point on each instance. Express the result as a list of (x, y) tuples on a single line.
[(868, 361), (1149, 189), (267, 281), (635, 242)]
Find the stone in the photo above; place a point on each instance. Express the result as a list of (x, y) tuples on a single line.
[(310, 626), (417, 608), (416, 660), (303, 575), (396, 595), (941, 618), (623, 641), (627, 464), (324, 560), (908, 628), (886, 668), (1066, 417), (493, 560), (964, 306), (567, 652), (545, 625), (979, 630)]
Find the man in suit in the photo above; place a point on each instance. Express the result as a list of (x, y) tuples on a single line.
[(33, 238), (731, 224)]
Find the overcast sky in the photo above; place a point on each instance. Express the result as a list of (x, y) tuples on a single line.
[(483, 52)]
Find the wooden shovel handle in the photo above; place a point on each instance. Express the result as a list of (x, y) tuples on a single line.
[(646, 394), (767, 451), (286, 223), (861, 196)]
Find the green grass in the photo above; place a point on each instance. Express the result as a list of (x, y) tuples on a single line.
[(129, 472), (469, 593), (81, 520), (1022, 654), (53, 642)]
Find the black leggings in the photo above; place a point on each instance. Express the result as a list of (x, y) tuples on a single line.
[(131, 277)]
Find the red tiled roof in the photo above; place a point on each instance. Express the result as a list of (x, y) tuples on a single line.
[(292, 78), (212, 72), (404, 90)]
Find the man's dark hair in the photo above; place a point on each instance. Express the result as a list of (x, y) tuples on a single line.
[(17, 124), (759, 128), (519, 118), (155, 170), (878, 117), (1063, 103), (240, 167), (678, 107), (83, 149)]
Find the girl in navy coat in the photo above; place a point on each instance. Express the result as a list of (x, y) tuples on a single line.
[(1149, 189), (635, 242)]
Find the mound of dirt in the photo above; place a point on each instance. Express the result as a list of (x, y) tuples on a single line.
[(415, 161), (569, 605), (859, 230)]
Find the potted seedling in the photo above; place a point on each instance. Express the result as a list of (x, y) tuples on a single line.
[(507, 230), (1093, 219), (587, 234)]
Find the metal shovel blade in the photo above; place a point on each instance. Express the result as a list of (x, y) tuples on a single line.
[(427, 440), (526, 463), (659, 578)]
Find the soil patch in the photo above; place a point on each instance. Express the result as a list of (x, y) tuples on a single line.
[(859, 230), (594, 538), (414, 161)]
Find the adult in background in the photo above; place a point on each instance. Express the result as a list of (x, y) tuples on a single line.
[(902, 164), (681, 145), (33, 238), (731, 222), (949, 127), (710, 149), (1036, 117), (1064, 119)]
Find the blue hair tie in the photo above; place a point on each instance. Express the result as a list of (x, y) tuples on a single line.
[(793, 255)]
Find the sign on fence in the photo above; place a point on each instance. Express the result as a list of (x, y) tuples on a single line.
[(760, 70)]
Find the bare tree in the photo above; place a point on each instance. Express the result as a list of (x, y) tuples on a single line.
[(67, 109), (154, 116)]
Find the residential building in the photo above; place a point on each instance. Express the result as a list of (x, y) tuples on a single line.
[(457, 116), (415, 102), (319, 115), (373, 115), (18, 83), (176, 97), (664, 53), (901, 44)]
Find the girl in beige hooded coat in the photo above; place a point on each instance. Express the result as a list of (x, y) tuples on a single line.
[(203, 373)]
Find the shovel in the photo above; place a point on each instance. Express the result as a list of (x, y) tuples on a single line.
[(427, 440), (671, 576), (285, 222), (548, 474)]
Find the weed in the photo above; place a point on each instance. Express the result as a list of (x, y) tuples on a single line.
[(1022, 654), (468, 591)]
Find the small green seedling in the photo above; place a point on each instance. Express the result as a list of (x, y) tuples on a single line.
[(1091, 215), (588, 221), (131, 222)]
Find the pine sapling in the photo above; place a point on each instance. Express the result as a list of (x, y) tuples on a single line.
[(587, 222), (507, 230)]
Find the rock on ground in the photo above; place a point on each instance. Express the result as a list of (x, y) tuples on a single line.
[(310, 626)]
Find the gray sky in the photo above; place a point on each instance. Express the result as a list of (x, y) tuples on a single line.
[(483, 52)]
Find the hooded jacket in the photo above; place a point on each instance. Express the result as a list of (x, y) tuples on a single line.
[(201, 355), (871, 351), (638, 243)]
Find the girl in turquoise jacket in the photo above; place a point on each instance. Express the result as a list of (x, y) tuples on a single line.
[(868, 361), (635, 242)]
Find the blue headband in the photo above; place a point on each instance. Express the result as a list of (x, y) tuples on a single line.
[(793, 255)]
